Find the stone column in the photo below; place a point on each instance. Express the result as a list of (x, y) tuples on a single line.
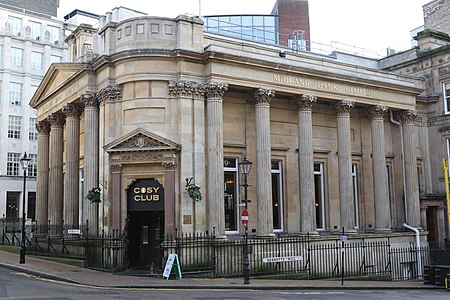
[(412, 187), (380, 186), (56, 176), (306, 164), (43, 129), (263, 162), (91, 157), (347, 205), (72, 175), (116, 205), (214, 114), (169, 198)]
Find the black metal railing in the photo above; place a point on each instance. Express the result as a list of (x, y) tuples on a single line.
[(108, 252), (302, 256)]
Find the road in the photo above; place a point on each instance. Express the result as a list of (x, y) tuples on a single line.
[(14, 285)]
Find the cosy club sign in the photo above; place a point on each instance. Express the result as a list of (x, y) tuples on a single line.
[(146, 194)]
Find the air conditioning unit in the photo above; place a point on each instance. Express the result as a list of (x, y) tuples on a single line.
[(18, 34), (38, 38), (56, 42)]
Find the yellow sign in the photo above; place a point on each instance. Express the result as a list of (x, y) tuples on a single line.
[(447, 189)]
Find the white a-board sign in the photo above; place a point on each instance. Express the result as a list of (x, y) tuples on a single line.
[(172, 261)]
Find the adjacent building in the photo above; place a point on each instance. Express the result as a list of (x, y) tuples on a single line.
[(30, 40)]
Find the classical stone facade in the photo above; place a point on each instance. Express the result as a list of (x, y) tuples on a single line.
[(165, 104)]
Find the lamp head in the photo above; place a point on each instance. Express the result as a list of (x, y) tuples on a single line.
[(25, 161), (245, 166)]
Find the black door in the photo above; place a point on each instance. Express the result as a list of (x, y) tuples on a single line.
[(142, 236)]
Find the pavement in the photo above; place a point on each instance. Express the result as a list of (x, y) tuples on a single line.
[(77, 275)]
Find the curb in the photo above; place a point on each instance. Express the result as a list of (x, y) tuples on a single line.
[(219, 287)]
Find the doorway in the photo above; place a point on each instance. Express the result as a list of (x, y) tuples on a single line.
[(142, 236)]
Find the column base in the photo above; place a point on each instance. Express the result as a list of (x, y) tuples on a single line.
[(310, 233), (265, 235), (383, 231)]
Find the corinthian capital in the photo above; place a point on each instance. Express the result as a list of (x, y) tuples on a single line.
[(72, 110), (56, 119), (111, 92), (186, 89), (263, 96), (305, 102), (89, 99), (376, 112), (215, 89), (343, 107), (43, 127), (408, 116)]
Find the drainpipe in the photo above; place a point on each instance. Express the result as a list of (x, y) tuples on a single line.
[(419, 259), (391, 116)]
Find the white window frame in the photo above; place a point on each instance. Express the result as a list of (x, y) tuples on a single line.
[(32, 167), (54, 34), (15, 25), (446, 97), (15, 93), (55, 59), (14, 127), (279, 171), (37, 59), (355, 194), (16, 57), (12, 164), (321, 174), (36, 30), (32, 133), (237, 186)]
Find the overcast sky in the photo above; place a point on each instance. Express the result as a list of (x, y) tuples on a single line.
[(370, 24)]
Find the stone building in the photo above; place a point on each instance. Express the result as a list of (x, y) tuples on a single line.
[(430, 60), (161, 101)]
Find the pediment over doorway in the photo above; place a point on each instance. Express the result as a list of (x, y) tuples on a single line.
[(140, 140)]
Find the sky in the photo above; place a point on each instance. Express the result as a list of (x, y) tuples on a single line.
[(353, 25)]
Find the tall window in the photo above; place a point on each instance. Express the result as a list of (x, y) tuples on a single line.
[(31, 207), (13, 164), (14, 126), (15, 25), (36, 30), (16, 58), (12, 205), (54, 34), (389, 186), (32, 167), (231, 194), (277, 195), (15, 93), (355, 194), (319, 193), (32, 132), (447, 97), (36, 60)]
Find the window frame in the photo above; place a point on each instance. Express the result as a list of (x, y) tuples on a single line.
[(236, 200), (15, 25), (16, 57), (278, 172), (13, 164), (14, 127), (15, 93)]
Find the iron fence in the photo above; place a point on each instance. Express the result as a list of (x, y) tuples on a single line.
[(108, 252), (299, 256)]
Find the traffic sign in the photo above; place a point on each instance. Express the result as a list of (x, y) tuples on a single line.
[(244, 217)]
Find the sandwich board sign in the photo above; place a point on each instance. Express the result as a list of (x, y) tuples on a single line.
[(172, 261)]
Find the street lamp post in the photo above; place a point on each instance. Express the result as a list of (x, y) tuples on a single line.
[(245, 167), (24, 162)]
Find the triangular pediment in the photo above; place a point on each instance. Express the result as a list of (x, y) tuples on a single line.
[(57, 80), (140, 140)]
